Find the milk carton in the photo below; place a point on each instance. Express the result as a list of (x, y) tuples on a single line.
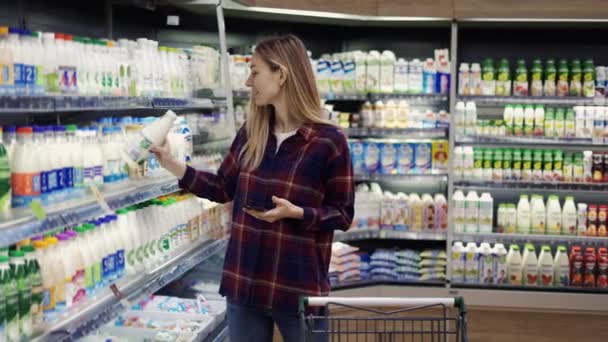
[(357, 153), (372, 156), (388, 158), (405, 157), (423, 155)]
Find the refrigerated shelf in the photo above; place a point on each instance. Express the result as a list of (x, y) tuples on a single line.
[(375, 177), (569, 144), (531, 288), (397, 133), (375, 282), (383, 234), (530, 238), (546, 100), (17, 225), (107, 305), (531, 185)]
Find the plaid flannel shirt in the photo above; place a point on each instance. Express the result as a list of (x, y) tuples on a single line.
[(269, 265)]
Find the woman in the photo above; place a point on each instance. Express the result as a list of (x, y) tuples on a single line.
[(289, 174)]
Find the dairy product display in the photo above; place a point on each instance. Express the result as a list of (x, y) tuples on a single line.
[(575, 79), (48, 63), (381, 72)]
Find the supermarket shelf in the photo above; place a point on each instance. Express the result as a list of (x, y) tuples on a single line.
[(528, 185), (521, 238), (220, 334), (399, 133), (574, 144), (58, 104), (106, 306), (366, 234), (220, 145), (546, 100), (414, 178), (375, 282), (546, 301), (538, 288), (21, 224), (412, 99)]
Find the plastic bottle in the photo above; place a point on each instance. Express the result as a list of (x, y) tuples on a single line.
[(24, 288), (403, 110), (568, 217), (35, 280), (589, 78), (486, 213), (475, 80), (387, 72), (458, 262), (518, 120), (520, 86), (497, 167), (471, 213), (468, 162), (48, 287), (470, 118), (152, 134), (563, 77), (477, 164), (530, 266), (429, 76), (539, 121), (441, 213), (523, 215), (550, 76), (536, 78), (545, 266), (372, 79), (401, 76), (415, 80), (486, 264), (576, 74), (529, 120), (538, 215), (508, 116), (25, 176), (10, 293), (488, 78), (500, 267), (503, 78), (360, 71), (7, 82), (459, 211), (464, 77), (487, 164), (74, 143), (460, 118), (514, 265), (561, 267), (554, 216), (337, 76), (416, 212), (471, 263), (428, 221), (379, 114), (590, 267), (390, 117)]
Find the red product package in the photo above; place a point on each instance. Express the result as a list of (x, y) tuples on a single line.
[(590, 267), (602, 267)]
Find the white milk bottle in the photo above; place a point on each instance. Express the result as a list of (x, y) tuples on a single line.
[(401, 76), (98, 157), (46, 165), (390, 114), (107, 271), (379, 114), (458, 262), (458, 163), (486, 264), (66, 289), (523, 215), (569, 217), (401, 213), (470, 118), (372, 78), (152, 134), (468, 162), (66, 162), (367, 114), (428, 221), (554, 216), (387, 72), (25, 176), (386, 211), (545, 266), (125, 241), (459, 211), (87, 255), (415, 81), (486, 213), (403, 115), (74, 144), (471, 213), (530, 266), (508, 116), (464, 77), (441, 213), (416, 212), (561, 267), (518, 120), (475, 81), (471, 263), (360, 71), (95, 239), (460, 118), (514, 265), (500, 264), (538, 215)]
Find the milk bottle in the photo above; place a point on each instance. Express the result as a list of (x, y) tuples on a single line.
[(545, 266), (66, 176), (561, 267), (486, 213), (401, 76), (45, 163), (470, 118), (372, 79), (569, 215), (471, 212), (48, 287), (66, 290), (554, 216), (152, 134), (459, 211), (428, 204), (471, 263), (460, 118), (500, 264), (441, 213), (415, 81), (514, 265), (538, 215), (416, 212), (35, 279), (458, 262), (486, 264), (530, 266), (523, 215), (387, 72), (76, 154), (25, 176)]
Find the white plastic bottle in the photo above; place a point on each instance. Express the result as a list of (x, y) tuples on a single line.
[(508, 116), (514, 265), (529, 120), (152, 134), (470, 118), (468, 162), (416, 212), (372, 78), (458, 262), (518, 120), (545, 267), (415, 81), (459, 211), (569, 217), (401, 76), (429, 76), (486, 264), (403, 115), (390, 114), (441, 213), (379, 114), (460, 118), (25, 176), (539, 120), (458, 163), (530, 266), (486, 213), (554, 216), (428, 221), (386, 211), (561, 267), (471, 212), (475, 81), (337, 76), (387, 72), (464, 77), (360, 71), (471, 263), (523, 215), (500, 264), (538, 215)]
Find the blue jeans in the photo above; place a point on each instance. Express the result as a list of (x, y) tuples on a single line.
[(251, 324)]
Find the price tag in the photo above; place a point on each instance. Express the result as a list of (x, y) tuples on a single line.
[(100, 199), (120, 296)]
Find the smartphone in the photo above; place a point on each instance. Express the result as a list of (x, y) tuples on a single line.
[(255, 207)]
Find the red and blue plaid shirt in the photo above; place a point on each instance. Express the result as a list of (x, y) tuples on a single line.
[(269, 265)]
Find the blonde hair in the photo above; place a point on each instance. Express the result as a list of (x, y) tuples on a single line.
[(289, 54)]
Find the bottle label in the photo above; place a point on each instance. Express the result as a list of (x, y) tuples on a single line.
[(97, 274), (108, 267), (78, 177), (89, 175), (18, 74), (26, 186), (89, 282), (68, 176), (120, 260), (60, 175)]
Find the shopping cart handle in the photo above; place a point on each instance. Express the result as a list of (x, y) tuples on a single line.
[(457, 302)]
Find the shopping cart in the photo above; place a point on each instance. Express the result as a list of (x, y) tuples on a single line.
[(439, 322)]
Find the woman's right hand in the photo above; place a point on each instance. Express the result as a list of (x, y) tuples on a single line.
[(166, 160)]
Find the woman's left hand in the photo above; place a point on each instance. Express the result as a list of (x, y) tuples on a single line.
[(284, 209)]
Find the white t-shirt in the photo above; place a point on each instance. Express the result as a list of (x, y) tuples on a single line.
[(282, 137)]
